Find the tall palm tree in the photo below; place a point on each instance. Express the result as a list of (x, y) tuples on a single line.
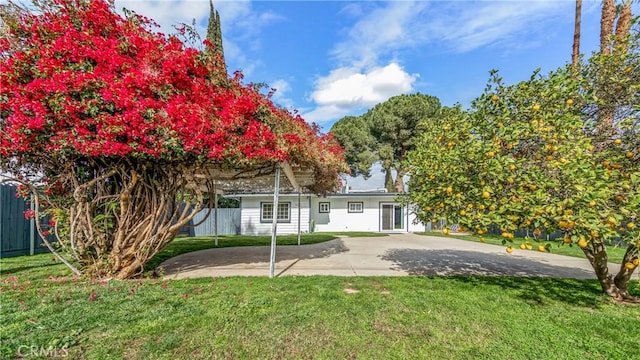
[(575, 56), (607, 19), (615, 27), (623, 27)]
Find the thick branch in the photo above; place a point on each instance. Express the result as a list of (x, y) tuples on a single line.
[(46, 242), (624, 274)]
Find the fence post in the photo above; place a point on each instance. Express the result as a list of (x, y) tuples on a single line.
[(32, 231)]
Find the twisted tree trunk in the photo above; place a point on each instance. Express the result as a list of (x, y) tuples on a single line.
[(127, 213), (617, 287)]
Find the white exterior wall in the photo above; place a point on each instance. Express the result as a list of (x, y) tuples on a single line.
[(250, 215), (340, 219), (418, 227)]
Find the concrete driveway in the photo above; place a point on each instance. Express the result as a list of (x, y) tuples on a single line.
[(393, 255)]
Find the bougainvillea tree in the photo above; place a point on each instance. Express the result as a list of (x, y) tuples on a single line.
[(529, 156), (113, 128)]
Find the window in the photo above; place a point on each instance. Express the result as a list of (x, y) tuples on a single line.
[(284, 212), (324, 207), (355, 207)]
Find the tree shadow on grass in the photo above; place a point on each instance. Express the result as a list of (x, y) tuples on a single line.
[(538, 291), (535, 281), (32, 265), (4, 271)]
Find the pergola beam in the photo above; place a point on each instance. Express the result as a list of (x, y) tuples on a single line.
[(288, 171), (257, 179)]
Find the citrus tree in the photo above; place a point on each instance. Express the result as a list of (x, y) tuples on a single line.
[(116, 130), (523, 157)]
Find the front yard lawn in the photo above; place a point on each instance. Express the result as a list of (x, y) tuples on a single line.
[(323, 317)]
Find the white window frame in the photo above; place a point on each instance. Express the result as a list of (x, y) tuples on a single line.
[(355, 207), (324, 207), (284, 212)]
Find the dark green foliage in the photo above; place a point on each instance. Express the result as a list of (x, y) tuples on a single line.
[(385, 133), (354, 134), (214, 33)]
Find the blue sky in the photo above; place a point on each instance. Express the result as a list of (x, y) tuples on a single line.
[(329, 59)]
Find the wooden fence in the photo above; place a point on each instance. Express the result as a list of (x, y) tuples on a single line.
[(228, 223), (18, 235)]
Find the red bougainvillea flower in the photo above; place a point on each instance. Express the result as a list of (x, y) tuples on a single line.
[(84, 81)]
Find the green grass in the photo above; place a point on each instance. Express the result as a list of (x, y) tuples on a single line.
[(616, 253), (310, 317)]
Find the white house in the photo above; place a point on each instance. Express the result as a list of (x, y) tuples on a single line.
[(356, 211)]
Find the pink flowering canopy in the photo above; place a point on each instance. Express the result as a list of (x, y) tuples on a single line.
[(81, 81)]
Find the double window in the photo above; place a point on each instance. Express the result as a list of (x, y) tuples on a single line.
[(283, 214), (324, 207), (355, 207)]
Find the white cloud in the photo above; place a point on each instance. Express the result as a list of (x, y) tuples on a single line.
[(282, 87), (382, 32), (324, 113), (464, 27), (346, 90), (379, 31), (348, 87), (168, 13), (458, 26)]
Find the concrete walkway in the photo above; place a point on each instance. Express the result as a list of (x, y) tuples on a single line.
[(394, 255)]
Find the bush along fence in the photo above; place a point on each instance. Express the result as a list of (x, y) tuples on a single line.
[(18, 235)]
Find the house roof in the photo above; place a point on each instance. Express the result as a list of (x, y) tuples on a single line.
[(332, 195)]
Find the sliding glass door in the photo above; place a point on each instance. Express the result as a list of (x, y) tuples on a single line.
[(391, 217)]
